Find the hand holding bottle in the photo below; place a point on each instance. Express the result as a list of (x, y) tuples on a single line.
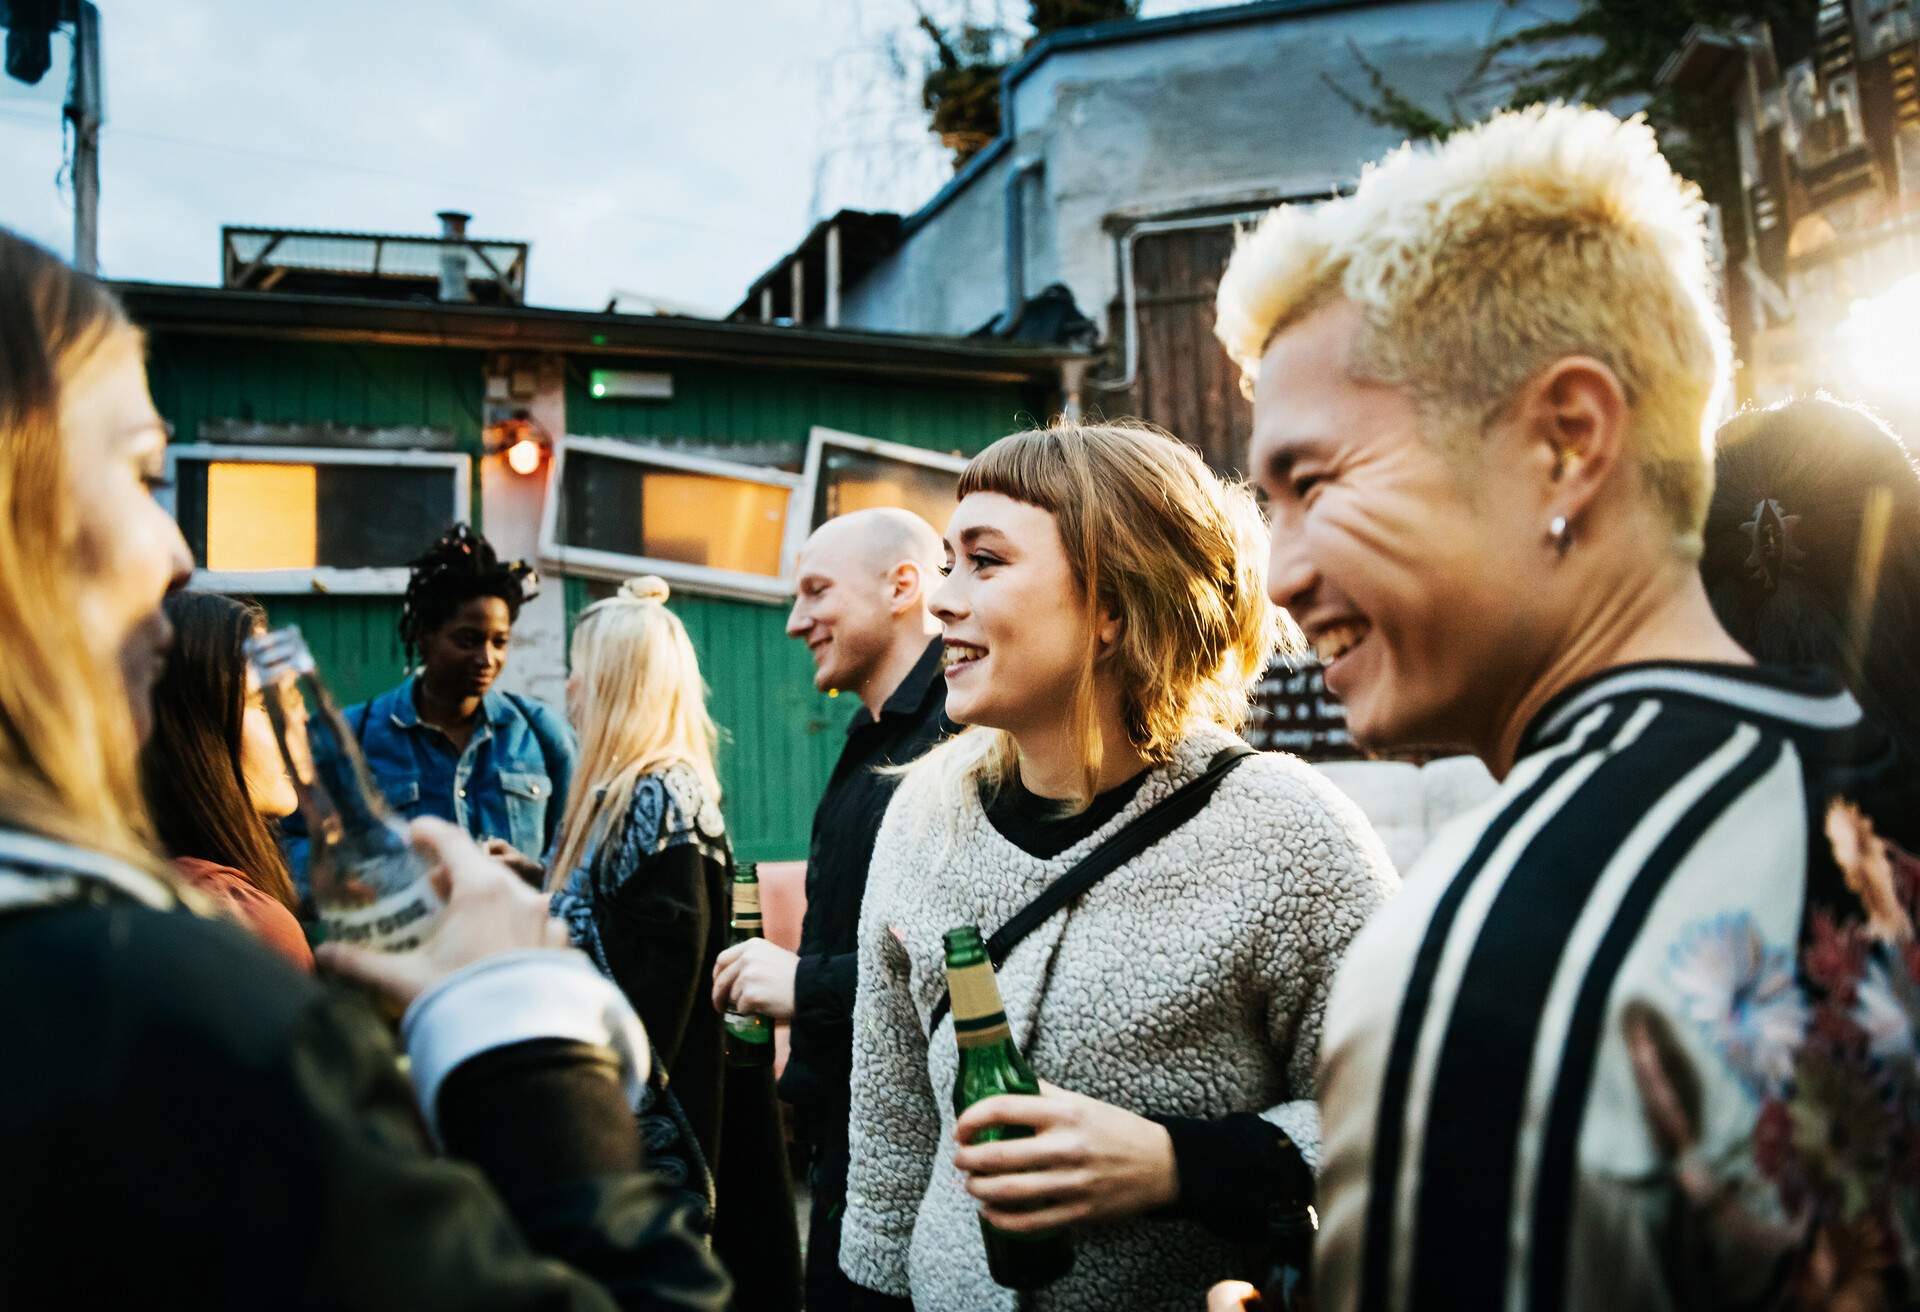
[(756, 976), (488, 910), (1086, 1160)]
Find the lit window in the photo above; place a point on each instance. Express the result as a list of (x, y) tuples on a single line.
[(262, 516), (709, 525), (846, 472), (276, 520)]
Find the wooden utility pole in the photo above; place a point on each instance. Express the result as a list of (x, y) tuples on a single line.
[(84, 109)]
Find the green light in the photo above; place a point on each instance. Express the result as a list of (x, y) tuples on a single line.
[(599, 339), (599, 389)]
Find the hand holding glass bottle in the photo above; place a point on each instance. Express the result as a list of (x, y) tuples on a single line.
[(369, 886)]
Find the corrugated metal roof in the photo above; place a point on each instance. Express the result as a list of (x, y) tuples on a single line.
[(264, 257)]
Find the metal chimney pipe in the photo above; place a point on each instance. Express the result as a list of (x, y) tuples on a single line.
[(453, 258)]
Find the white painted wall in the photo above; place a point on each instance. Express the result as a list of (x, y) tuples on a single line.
[(510, 508), (1170, 123)]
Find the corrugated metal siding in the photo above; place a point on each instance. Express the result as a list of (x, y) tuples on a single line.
[(201, 380), (782, 737)]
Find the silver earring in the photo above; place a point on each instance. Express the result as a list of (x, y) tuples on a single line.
[(1559, 534)]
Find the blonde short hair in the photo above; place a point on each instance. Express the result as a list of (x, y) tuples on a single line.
[(1154, 536), (1539, 234)]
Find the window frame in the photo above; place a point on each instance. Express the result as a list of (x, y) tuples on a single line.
[(365, 582), (819, 438), (615, 566)]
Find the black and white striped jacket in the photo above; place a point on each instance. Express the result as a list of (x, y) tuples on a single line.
[(1660, 840)]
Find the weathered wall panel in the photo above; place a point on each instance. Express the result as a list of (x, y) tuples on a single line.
[(717, 406)]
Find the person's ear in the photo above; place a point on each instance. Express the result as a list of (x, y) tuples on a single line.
[(1108, 628), (906, 587), (1572, 418)]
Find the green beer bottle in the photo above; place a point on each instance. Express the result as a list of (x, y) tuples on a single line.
[(749, 1037), (990, 1064)]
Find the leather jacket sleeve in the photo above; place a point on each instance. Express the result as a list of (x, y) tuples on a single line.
[(243, 1136)]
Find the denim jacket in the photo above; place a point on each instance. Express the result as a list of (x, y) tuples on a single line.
[(511, 781)]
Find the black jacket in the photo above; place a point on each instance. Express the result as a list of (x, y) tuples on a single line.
[(820, 1061), (187, 1121), (651, 907)]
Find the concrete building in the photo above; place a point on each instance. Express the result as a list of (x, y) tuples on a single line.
[(1127, 154)]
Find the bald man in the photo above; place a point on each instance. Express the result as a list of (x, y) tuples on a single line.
[(861, 607)]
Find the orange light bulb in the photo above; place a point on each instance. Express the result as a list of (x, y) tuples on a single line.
[(523, 457)]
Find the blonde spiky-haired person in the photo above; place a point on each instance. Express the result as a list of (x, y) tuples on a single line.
[(1565, 1068)]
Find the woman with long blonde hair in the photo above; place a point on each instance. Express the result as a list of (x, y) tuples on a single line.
[(642, 875), (1105, 618)]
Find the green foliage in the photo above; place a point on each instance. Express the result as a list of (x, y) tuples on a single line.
[(1607, 52), (961, 86)]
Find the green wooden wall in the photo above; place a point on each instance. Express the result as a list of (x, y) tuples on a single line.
[(712, 403), (197, 379), (200, 380), (780, 738)]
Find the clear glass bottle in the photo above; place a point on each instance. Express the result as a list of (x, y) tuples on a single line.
[(370, 888)]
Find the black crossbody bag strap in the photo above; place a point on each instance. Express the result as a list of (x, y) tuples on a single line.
[(1146, 829)]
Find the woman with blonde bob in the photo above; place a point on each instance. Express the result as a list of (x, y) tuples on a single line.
[(642, 875), (1105, 618)]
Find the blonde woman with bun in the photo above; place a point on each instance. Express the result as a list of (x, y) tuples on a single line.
[(642, 875), (1105, 617)]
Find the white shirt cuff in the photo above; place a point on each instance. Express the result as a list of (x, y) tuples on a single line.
[(514, 997)]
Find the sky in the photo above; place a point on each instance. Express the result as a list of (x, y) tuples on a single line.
[(670, 149)]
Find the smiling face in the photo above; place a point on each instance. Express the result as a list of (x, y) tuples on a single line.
[(466, 654), (1402, 578), (128, 551), (1017, 633), (842, 610)]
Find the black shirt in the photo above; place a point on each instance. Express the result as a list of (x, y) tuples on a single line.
[(845, 825), (1039, 826)]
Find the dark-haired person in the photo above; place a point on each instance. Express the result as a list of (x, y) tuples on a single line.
[(444, 743), (1813, 551), (212, 771), (186, 1119)]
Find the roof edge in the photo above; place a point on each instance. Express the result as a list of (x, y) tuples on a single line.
[(198, 309)]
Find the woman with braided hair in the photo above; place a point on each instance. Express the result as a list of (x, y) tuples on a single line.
[(444, 742)]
